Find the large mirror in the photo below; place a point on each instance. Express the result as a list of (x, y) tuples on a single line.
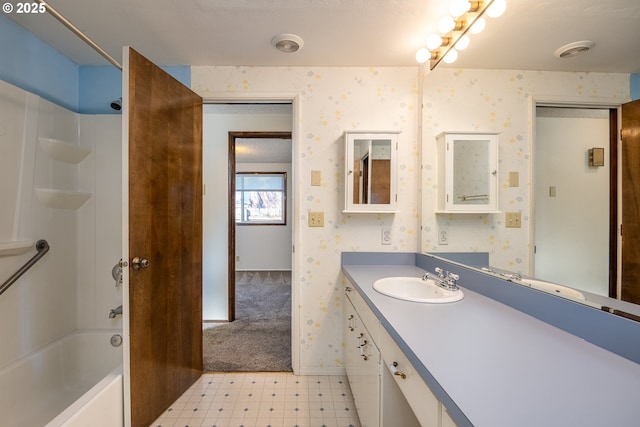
[(579, 266), (370, 171)]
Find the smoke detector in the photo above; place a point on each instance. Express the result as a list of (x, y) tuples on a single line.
[(574, 49), (287, 43)]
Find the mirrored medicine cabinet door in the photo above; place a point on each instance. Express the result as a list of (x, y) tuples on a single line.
[(370, 171), (468, 172)]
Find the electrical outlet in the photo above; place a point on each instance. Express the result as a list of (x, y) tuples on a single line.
[(316, 219), (512, 220), (443, 234), (386, 236), (514, 179)]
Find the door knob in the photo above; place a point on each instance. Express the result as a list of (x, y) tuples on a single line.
[(137, 263)]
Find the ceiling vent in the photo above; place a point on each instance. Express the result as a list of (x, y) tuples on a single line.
[(574, 49), (287, 43)]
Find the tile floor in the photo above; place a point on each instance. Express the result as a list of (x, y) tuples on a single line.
[(262, 400)]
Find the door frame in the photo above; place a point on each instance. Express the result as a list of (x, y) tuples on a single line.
[(614, 106), (231, 286), (292, 98)]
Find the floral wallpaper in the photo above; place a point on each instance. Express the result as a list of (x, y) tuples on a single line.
[(501, 101), (332, 100)]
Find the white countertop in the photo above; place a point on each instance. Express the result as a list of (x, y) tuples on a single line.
[(502, 367)]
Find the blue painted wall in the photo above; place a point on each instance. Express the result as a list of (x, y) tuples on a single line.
[(29, 63), (99, 85), (634, 82)]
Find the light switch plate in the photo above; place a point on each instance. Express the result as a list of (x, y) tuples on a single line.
[(513, 220), (316, 219), (316, 178), (514, 179)]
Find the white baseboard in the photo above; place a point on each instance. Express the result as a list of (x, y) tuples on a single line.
[(314, 370)]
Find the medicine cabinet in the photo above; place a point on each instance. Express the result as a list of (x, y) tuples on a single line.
[(370, 171), (468, 172)]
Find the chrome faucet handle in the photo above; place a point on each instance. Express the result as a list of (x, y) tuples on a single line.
[(440, 272), (453, 276)]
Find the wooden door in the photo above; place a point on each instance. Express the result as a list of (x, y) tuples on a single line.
[(164, 122), (630, 287)]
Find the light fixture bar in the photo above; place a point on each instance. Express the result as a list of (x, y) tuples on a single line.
[(478, 8)]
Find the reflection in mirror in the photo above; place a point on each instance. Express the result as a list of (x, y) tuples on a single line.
[(477, 260), (471, 163), (372, 171)]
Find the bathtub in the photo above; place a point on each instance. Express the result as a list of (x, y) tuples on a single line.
[(72, 382)]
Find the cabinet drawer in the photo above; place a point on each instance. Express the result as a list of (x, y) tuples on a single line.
[(366, 315), (423, 402)]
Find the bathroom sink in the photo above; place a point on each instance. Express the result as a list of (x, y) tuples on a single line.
[(416, 289), (553, 288)]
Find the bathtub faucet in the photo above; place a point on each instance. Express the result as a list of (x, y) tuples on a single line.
[(115, 311)]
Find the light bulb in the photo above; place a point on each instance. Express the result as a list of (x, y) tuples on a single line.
[(446, 24), (434, 41), (478, 26), (459, 7), (422, 55), (463, 42), (451, 56), (497, 8)]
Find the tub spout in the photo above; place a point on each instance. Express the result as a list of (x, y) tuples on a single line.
[(115, 311)]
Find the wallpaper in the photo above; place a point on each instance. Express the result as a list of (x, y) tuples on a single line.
[(332, 100), (501, 101)]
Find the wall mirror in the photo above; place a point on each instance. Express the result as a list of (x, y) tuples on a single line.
[(468, 176), (370, 171)]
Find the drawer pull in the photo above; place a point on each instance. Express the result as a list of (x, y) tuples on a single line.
[(350, 324), (394, 370), (347, 289), (362, 349), (358, 340)]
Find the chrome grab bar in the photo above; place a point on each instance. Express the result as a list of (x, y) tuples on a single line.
[(42, 247)]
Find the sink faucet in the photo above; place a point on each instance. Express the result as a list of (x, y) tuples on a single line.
[(115, 311), (444, 279)]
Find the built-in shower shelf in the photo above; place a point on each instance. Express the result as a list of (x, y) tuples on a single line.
[(59, 199), (15, 248), (63, 151)]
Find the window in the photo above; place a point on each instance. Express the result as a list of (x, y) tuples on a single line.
[(261, 198)]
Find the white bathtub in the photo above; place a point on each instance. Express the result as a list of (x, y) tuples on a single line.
[(74, 381)]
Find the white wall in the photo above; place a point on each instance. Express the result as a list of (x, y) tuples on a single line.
[(330, 101), (218, 121), (500, 101), (265, 247), (50, 300), (572, 227)]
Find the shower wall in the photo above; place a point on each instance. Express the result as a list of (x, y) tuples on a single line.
[(59, 181)]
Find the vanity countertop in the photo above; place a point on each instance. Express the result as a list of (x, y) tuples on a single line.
[(502, 367)]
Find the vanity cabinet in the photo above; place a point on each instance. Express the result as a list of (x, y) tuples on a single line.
[(362, 365), (371, 166), (386, 388), (467, 172)]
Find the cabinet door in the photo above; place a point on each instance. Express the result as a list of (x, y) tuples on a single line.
[(370, 171), (469, 172)]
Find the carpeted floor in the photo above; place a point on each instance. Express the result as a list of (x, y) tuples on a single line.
[(259, 340)]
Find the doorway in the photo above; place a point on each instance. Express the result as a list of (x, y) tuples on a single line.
[(247, 125), (575, 198)]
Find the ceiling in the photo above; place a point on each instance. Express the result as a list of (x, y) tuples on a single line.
[(263, 150), (342, 32)]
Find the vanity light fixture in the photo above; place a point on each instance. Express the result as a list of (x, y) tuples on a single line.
[(466, 17)]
